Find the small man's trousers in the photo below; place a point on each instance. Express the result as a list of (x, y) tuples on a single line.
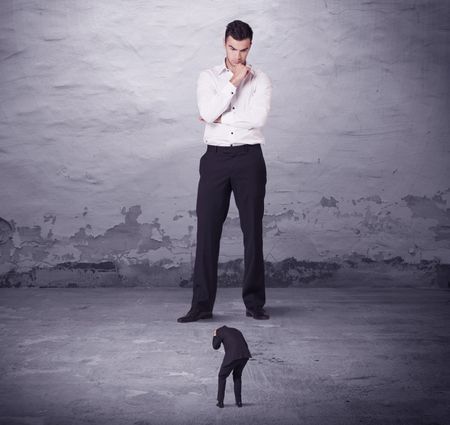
[(237, 366)]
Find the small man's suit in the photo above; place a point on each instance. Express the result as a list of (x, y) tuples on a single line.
[(236, 357)]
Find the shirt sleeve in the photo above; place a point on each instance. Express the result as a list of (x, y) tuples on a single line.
[(255, 114), (212, 103)]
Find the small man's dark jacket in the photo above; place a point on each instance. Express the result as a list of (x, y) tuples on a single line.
[(233, 342)]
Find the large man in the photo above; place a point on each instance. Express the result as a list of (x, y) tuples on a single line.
[(233, 101)]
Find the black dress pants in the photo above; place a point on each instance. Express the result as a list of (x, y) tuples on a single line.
[(241, 170), (237, 366)]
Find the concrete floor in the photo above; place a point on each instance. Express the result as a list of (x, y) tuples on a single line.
[(327, 356)]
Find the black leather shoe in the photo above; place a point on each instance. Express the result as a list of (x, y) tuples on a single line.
[(194, 315), (258, 314), (239, 403), (220, 404)]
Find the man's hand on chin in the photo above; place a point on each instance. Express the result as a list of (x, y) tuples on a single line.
[(240, 73)]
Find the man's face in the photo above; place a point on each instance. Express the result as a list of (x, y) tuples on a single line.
[(236, 50)]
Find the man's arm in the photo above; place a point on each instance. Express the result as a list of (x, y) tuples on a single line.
[(217, 340), (212, 103), (255, 115)]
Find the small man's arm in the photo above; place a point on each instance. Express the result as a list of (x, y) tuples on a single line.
[(217, 340)]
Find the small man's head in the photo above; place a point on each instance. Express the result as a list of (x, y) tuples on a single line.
[(238, 40)]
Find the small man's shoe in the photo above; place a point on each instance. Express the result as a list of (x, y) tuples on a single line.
[(220, 404), (257, 313), (193, 315), (239, 403)]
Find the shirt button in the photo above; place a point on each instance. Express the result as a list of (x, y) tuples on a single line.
[(234, 107), (232, 133)]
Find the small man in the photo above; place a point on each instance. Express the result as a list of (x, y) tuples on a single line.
[(236, 357)]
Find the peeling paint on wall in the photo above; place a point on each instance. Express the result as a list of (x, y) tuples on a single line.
[(432, 209), (352, 271), (330, 203), (133, 253), (6, 231)]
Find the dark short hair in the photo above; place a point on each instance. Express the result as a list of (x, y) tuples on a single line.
[(239, 30)]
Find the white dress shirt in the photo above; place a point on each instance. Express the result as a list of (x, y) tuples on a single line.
[(243, 109)]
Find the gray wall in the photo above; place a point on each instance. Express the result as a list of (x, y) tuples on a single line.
[(100, 141)]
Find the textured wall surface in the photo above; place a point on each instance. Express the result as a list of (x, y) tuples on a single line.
[(100, 141)]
